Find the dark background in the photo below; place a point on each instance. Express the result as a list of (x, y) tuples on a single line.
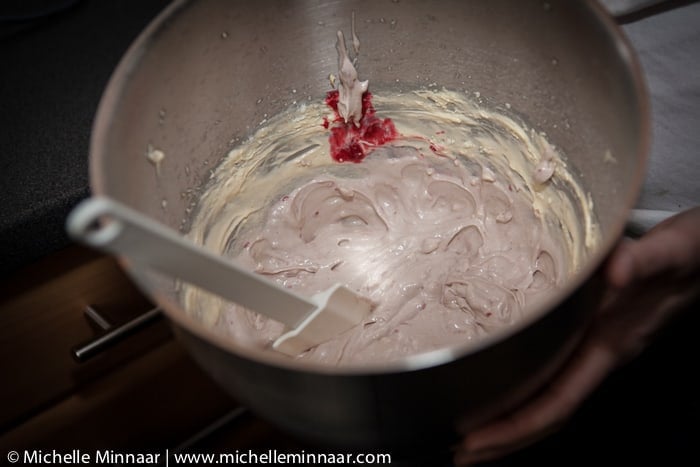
[(56, 59)]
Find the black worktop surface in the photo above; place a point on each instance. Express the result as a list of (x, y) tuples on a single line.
[(53, 70)]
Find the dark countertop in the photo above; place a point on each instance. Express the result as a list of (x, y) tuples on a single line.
[(54, 70)]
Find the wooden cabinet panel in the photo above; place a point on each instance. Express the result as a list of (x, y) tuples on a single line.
[(42, 318), (156, 401)]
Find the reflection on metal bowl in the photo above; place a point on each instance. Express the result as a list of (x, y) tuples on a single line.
[(202, 76)]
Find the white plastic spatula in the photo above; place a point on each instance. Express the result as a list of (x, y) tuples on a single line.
[(112, 227)]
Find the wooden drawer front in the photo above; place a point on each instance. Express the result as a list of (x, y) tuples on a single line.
[(42, 318)]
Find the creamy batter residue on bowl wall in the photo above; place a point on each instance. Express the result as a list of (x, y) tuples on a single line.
[(454, 229)]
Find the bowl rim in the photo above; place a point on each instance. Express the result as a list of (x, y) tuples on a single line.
[(101, 127)]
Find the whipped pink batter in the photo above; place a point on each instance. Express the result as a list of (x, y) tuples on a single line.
[(450, 244), (446, 255)]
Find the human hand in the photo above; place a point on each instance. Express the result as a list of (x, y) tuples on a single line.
[(649, 281)]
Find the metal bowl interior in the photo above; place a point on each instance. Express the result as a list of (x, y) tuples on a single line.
[(204, 73)]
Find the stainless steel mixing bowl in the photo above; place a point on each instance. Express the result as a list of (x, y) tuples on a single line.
[(205, 72)]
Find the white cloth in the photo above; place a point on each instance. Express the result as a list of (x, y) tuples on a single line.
[(668, 46), (623, 7)]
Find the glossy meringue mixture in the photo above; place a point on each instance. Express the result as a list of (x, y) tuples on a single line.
[(457, 228)]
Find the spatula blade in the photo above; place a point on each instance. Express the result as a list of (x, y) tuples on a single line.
[(338, 310)]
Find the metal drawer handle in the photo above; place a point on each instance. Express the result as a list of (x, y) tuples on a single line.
[(114, 335)]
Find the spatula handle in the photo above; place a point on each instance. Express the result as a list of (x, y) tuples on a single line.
[(112, 227)]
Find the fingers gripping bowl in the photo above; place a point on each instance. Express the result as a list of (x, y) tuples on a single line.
[(204, 75)]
